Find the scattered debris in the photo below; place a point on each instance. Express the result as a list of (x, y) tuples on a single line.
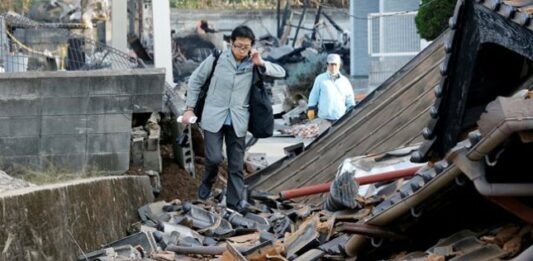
[(308, 130), (255, 162)]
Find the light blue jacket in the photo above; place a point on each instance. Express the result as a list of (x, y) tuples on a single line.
[(331, 97), (229, 91)]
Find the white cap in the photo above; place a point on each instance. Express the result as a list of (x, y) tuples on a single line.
[(334, 58)]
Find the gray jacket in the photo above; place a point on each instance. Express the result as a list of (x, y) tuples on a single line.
[(229, 91)]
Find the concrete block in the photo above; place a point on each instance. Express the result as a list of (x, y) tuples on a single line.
[(114, 163), (137, 150), (108, 142), (52, 221), (152, 160), (152, 125), (18, 89), (147, 103), (19, 126), (111, 86), (155, 180), (64, 105), (22, 146), (20, 107), (149, 84), (63, 144), (109, 104), (109, 123), (138, 132), (152, 143), (68, 124), (56, 87)]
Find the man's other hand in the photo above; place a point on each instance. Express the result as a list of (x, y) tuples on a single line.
[(187, 116), (310, 114)]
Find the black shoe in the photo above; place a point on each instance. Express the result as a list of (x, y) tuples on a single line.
[(242, 207), (204, 192)]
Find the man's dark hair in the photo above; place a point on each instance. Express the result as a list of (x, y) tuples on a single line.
[(243, 31)]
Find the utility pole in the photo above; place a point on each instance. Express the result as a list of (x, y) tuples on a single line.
[(352, 40), (162, 41), (119, 25)]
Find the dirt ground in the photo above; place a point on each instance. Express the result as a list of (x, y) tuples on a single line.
[(176, 183)]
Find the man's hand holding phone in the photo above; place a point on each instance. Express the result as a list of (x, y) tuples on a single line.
[(256, 58)]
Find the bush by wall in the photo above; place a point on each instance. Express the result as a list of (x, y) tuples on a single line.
[(432, 17)]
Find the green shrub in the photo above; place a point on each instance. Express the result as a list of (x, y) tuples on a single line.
[(432, 17)]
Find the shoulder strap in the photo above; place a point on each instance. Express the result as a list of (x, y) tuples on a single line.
[(257, 78), (216, 54)]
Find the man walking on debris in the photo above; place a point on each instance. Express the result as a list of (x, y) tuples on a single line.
[(332, 93), (225, 115)]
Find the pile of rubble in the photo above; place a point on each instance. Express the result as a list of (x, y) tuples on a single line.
[(270, 228), (276, 229), (146, 152)]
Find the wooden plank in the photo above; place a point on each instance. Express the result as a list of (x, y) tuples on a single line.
[(391, 119), (414, 127)]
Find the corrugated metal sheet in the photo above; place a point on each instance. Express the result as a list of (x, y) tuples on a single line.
[(390, 117)]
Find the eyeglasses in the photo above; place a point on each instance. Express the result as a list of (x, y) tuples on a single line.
[(332, 64), (243, 48)]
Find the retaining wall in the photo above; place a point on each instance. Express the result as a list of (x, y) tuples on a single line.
[(61, 221)]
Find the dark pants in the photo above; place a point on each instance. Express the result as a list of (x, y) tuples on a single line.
[(213, 157)]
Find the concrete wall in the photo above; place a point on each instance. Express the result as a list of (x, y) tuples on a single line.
[(53, 222), (73, 121), (42, 38)]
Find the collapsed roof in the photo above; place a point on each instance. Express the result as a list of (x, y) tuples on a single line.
[(472, 90)]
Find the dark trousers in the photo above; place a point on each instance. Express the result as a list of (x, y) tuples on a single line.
[(213, 157)]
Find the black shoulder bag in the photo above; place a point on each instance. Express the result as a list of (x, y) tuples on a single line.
[(200, 103), (261, 123)]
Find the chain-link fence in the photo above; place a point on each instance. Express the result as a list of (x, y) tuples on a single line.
[(27, 45), (393, 40), (393, 34)]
